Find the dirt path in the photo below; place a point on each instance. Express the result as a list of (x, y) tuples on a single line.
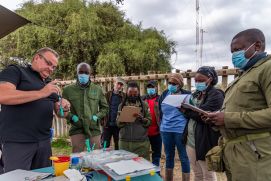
[(178, 174)]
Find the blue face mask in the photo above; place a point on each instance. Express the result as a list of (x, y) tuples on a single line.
[(172, 88), (238, 58), (151, 91), (83, 78), (201, 86)]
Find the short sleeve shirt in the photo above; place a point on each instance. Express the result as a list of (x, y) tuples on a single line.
[(28, 122)]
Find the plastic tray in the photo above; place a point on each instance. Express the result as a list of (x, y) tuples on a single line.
[(115, 176)]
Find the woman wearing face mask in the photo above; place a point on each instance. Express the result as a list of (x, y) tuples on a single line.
[(201, 136), (173, 123), (133, 136)]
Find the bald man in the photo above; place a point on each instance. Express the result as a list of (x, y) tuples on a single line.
[(245, 121)]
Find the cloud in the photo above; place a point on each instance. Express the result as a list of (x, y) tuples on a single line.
[(221, 20)]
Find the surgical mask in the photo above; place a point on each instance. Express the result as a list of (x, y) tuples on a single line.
[(83, 78), (151, 91), (132, 99), (201, 86), (238, 58), (172, 88)]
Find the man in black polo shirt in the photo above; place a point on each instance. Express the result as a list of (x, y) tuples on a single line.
[(28, 101)]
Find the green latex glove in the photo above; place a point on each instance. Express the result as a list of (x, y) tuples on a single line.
[(75, 118), (87, 142), (61, 110), (94, 118)]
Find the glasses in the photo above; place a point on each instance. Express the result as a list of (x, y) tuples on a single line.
[(48, 63), (172, 83)]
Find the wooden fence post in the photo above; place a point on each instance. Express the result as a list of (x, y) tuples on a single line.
[(188, 79), (141, 85), (109, 86), (224, 78), (159, 86), (103, 86), (166, 80)]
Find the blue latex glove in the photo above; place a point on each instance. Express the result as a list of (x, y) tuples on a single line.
[(94, 118), (75, 118)]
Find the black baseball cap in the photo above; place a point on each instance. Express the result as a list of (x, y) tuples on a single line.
[(152, 83)]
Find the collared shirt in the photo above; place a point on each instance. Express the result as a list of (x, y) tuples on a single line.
[(28, 122)]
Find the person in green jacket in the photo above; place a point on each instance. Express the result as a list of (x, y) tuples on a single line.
[(245, 121), (134, 135), (88, 107)]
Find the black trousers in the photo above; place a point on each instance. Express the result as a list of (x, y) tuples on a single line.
[(108, 132), (1, 161), (26, 156), (156, 147)]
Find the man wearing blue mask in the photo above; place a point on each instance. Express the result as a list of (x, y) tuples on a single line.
[(88, 107), (152, 98), (245, 122)]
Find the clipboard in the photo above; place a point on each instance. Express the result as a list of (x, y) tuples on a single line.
[(127, 114), (194, 108)]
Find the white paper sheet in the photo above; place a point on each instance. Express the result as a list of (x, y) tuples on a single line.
[(129, 166), (177, 100), (20, 175)]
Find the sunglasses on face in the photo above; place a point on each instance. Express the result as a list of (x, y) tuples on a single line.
[(48, 62), (172, 83)]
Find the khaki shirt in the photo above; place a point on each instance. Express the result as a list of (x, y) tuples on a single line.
[(247, 103)]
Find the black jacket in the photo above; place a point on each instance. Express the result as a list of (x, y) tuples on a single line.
[(205, 136), (108, 96)]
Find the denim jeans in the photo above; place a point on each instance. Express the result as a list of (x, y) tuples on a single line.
[(170, 140), (156, 146)]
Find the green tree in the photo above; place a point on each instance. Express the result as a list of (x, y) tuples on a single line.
[(96, 33)]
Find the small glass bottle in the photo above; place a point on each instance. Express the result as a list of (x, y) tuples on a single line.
[(75, 163)]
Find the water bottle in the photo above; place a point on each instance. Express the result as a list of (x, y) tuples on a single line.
[(51, 134), (75, 163)]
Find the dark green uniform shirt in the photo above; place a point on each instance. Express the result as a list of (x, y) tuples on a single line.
[(85, 102)]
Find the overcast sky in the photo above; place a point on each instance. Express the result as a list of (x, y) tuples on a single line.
[(221, 20)]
